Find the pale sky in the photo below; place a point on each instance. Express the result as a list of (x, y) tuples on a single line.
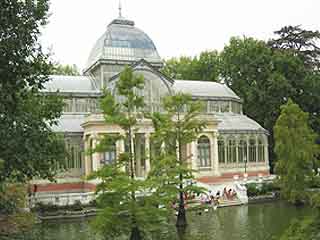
[(177, 27)]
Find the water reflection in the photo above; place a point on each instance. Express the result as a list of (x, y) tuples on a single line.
[(254, 222)]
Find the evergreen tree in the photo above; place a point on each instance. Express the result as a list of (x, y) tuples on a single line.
[(296, 149), (176, 127), (129, 205)]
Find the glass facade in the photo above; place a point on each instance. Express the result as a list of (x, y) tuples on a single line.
[(216, 106), (81, 105), (241, 147), (75, 150)]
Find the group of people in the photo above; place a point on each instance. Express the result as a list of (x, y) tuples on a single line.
[(229, 194), (209, 198)]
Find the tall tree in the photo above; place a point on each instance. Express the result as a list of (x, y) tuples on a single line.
[(205, 67), (174, 129), (28, 146), (130, 205), (256, 74), (69, 70), (302, 42), (296, 149)]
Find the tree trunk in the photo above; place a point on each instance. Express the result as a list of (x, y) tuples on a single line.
[(135, 234), (181, 219)]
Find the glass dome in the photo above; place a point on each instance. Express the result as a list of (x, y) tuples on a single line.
[(124, 42)]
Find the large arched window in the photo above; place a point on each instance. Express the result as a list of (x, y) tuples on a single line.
[(221, 150), (261, 152), (242, 151), (252, 150), (204, 151)]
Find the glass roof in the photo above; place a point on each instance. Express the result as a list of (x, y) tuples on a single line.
[(123, 41)]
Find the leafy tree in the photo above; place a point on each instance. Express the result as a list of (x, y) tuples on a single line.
[(28, 146), (295, 148), (129, 205), (178, 126), (301, 42), (304, 44), (205, 67), (60, 69)]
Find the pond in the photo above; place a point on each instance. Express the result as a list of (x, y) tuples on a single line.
[(250, 222)]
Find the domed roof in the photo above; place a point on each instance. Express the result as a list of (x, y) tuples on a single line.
[(122, 41)]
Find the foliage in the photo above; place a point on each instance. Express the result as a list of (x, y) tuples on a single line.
[(205, 67), (12, 219), (129, 205), (295, 148), (176, 127), (313, 182), (28, 146), (301, 42), (69, 70), (12, 198), (257, 189)]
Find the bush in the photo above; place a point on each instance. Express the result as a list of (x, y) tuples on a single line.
[(252, 190), (12, 198), (256, 189), (314, 182)]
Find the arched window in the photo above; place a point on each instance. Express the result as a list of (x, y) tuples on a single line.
[(261, 157), (204, 151), (221, 151), (242, 151), (252, 150), (231, 151)]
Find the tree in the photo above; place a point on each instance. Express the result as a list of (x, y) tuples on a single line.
[(205, 67), (296, 149), (129, 205), (28, 146), (69, 70), (178, 126), (301, 42)]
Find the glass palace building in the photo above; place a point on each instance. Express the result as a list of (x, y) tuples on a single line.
[(231, 144)]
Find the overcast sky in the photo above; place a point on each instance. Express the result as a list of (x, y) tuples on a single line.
[(177, 27)]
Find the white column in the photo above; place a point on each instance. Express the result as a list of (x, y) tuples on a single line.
[(147, 154), (215, 154), (194, 158), (86, 164), (266, 151), (95, 156), (211, 139), (257, 148)]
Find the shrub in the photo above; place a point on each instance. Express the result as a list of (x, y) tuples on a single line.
[(252, 190)]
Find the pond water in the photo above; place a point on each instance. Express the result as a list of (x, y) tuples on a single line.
[(251, 222)]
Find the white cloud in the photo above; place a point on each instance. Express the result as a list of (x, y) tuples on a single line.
[(176, 27)]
